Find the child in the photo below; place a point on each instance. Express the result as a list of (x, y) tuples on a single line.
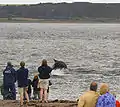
[(29, 88), (36, 89)]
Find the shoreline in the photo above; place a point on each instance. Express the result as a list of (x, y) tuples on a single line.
[(33, 103), (30, 20)]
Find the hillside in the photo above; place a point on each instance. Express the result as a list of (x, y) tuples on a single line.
[(77, 10)]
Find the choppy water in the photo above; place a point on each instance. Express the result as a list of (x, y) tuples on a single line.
[(91, 51)]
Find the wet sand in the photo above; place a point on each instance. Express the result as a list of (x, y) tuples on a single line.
[(55, 103)]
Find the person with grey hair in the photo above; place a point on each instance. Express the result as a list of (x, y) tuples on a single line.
[(89, 98), (106, 99)]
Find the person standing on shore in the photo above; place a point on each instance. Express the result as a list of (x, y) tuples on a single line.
[(22, 78), (106, 99), (117, 101), (9, 79), (44, 75), (89, 98)]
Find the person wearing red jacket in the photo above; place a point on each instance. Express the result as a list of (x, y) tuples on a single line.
[(117, 103)]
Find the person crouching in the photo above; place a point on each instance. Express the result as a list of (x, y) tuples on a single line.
[(36, 89)]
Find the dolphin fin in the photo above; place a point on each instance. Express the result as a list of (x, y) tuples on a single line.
[(55, 60)]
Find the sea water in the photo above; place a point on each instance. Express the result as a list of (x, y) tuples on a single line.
[(91, 52)]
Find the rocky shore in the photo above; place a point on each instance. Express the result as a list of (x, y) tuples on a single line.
[(55, 103)]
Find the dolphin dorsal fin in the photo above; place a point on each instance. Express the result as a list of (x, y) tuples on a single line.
[(55, 60)]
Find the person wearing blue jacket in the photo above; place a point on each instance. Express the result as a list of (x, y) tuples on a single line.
[(9, 79), (44, 75), (22, 79)]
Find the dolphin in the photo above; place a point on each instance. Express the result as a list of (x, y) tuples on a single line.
[(59, 64)]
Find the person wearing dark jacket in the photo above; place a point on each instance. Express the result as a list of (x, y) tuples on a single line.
[(9, 79), (29, 88), (36, 89), (22, 79), (44, 75)]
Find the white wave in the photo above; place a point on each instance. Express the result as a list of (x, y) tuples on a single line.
[(58, 72)]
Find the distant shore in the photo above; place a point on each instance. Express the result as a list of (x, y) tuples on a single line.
[(55, 103), (30, 20)]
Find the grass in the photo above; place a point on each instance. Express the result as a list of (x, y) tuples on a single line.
[(31, 20), (19, 20)]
